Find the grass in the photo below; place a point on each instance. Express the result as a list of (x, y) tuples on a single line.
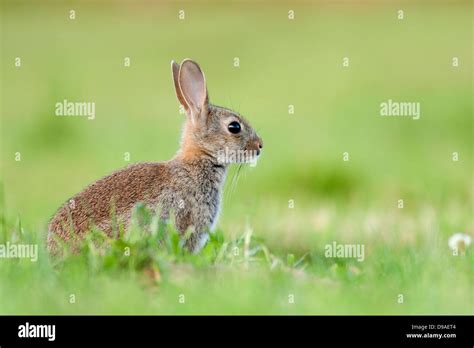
[(264, 252), (146, 271)]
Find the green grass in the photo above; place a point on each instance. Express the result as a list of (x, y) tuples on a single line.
[(146, 271), (282, 62)]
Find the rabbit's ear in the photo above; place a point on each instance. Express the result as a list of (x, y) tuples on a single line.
[(192, 82), (179, 94)]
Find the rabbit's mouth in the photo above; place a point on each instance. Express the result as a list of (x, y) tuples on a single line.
[(251, 156), (228, 156)]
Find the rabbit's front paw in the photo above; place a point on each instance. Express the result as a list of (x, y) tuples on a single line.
[(196, 241)]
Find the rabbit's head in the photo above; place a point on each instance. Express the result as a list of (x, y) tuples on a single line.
[(210, 130)]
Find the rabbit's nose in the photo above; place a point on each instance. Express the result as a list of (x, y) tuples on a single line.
[(259, 144)]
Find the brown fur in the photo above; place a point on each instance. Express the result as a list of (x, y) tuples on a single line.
[(189, 185)]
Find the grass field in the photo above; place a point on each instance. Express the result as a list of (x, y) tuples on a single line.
[(268, 255)]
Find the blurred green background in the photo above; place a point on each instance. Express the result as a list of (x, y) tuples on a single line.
[(282, 62)]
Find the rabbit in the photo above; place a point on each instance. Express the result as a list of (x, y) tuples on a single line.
[(188, 186)]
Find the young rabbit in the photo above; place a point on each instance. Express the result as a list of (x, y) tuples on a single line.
[(189, 185)]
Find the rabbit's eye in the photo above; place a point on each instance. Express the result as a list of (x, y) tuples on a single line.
[(234, 127)]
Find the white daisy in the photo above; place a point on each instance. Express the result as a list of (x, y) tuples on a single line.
[(459, 241)]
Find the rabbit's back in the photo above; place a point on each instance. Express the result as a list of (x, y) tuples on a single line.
[(108, 199)]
